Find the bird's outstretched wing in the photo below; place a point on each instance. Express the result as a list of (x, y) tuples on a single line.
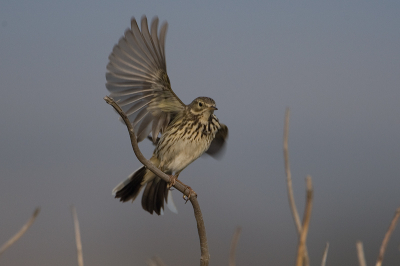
[(217, 146), (138, 81)]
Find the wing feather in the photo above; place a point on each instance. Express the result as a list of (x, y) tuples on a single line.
[(139, 117), (137, 78), (136, 107), (144, 127), (131, 91), (134, 99), (218, 145), (149, 41)]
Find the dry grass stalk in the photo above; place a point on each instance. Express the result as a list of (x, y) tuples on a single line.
[(323, 263), (360, 254), (21, 232), (385, 241), (306, 222), (77, 236), (235, 239), (292, 202), (155, 261)]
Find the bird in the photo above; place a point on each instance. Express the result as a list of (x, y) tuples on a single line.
[(137, 80)]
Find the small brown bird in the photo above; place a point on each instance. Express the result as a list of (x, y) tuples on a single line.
[(138, 81)]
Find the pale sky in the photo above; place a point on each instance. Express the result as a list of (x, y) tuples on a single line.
[(335, 64)]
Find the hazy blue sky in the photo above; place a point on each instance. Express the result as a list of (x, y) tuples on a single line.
[(336, 64)]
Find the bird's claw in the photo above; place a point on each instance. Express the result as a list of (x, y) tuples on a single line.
[(172, 181), (191, 191)]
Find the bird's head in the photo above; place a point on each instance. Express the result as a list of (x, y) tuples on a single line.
[(202, 106)]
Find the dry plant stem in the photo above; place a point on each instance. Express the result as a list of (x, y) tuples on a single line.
[(21, 232), (205, 256), (77, 236), (306, 222), (387, 237), (235, 239), (360, 254), (292, 203), (325, 254)]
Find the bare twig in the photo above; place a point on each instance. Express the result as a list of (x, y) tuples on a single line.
[(387, 237), (201, 229), (21, 232), (306, 222), (325, 254), (360, 254), (205, 256), (77, 236), (235, 239), (292, 203)]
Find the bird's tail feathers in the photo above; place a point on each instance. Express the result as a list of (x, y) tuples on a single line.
[(130, 188), (171, 204), (154, 195)]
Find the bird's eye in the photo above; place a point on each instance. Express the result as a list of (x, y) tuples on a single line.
[(200, 104)]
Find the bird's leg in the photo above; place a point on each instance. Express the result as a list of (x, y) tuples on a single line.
[(191, 191), (172, 181)]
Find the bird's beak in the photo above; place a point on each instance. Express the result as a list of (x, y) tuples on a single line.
[(213, 108)]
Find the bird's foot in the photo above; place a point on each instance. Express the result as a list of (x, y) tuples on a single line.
[(172, 181), (191, 192)]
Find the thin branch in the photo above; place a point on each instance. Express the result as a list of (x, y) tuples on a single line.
[(360, 254), (306, 222), (201, 229), (77, 236), (323, 263), (235, 239), (21, 232), (205, 256), (292, 203), (387, 237)]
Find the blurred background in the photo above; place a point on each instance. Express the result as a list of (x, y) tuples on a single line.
[(335, 64)]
